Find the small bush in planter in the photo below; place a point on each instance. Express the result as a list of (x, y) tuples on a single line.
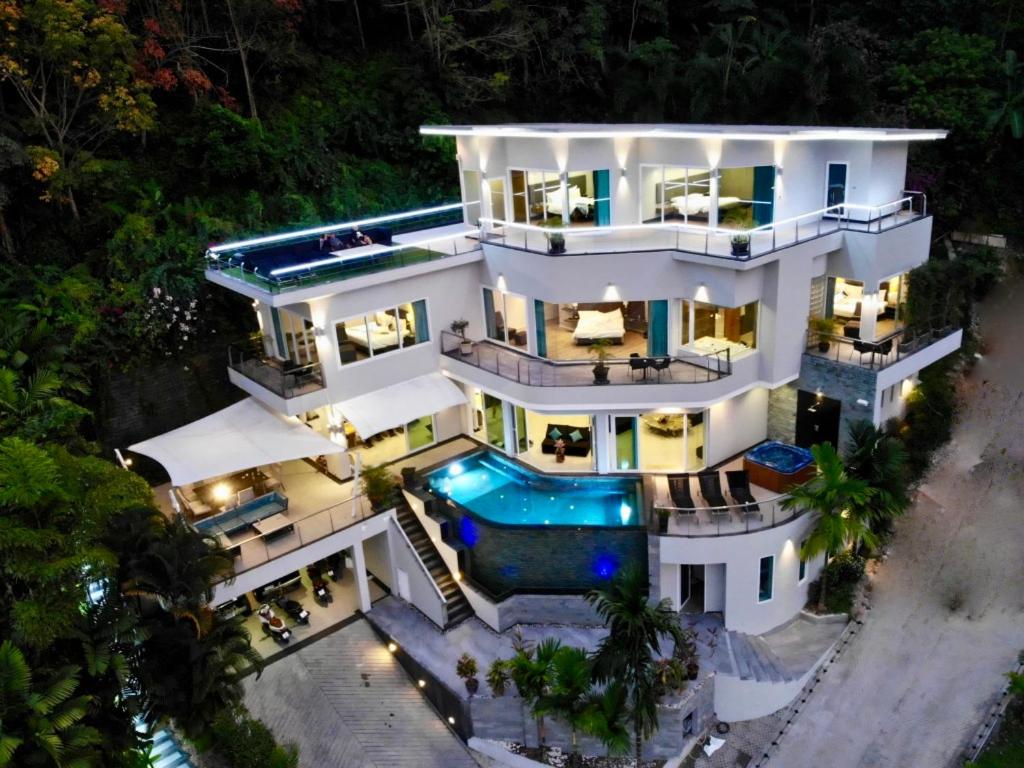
[(498, 677), (823, 327), (379, 486), (599, 347), (740, 244), (466, 669)]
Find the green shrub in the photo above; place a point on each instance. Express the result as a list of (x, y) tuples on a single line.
[(845, 568), (245, 742), (379, 486)]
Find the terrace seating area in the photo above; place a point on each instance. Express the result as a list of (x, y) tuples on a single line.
[(540, 372), (698, 504)]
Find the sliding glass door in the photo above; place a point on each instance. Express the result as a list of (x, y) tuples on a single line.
[(659, 442)]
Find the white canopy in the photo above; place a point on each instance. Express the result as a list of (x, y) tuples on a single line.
[(399, 404), (244, 435)]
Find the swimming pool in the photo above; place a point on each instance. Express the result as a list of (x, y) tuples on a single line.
[(504, 492)]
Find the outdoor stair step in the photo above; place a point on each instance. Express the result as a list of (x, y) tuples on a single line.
[(754, 659), (769, 661), (459, 608), (739, 655)]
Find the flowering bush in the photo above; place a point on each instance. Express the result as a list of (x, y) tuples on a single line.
[(166, 323)]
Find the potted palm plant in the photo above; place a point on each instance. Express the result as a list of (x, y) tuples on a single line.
[(556, 240), (740, 244), (379, 486), (466, 668), (823, 327), (459, 327), (599, 347)]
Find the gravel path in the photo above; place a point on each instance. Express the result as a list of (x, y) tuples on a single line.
[(913, 687)]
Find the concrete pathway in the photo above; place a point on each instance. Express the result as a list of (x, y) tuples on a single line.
[(348, 704), (947, 618)]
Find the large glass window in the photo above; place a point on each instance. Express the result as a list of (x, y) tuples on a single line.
[(505, 318), (708, 328), (420, 432), (625, 442), (494, 421), (376, 333), (295, 334), (765, 579), (670, 193), (746, 196), (803, 563), (497, 188), (471, 196), (536, 197), (660, 442), (589, 198)]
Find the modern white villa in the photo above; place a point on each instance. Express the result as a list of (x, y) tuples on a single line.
[(460, 341)]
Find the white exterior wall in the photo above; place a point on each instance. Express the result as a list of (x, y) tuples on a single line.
[(741, 555), (736, 424)]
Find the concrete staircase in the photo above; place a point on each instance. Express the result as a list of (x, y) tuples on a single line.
[(459, 608), (753, 659), (166, 752)]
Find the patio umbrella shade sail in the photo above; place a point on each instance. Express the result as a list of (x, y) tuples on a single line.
[(244, 435), (401, 403)]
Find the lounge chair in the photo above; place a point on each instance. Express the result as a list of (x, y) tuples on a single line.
[(739, 489), (679, 490), (711, 490)]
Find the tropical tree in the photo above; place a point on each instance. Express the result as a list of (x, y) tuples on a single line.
[(630, 651), (532, 670), (177, 570), (832, 496), (41, 725), (606, 716), (881, 461), (568, 698)]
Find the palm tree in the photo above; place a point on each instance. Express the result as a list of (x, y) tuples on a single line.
[(42, 725), (532, 670), (569, 696), (630, 650), (880, 461), (177, 569), (831, 496), (605, 718)]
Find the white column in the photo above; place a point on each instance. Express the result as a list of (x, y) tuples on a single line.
[(868, 316), (605, 438), (362, 583)]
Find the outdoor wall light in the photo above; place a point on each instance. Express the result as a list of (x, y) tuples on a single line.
[(501, 284), (451, 720), (221, 492), (423, 683), (392, 647), (862, 402), (623, 171), (611, 293)]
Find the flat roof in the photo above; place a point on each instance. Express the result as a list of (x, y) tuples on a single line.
[(686, 131)]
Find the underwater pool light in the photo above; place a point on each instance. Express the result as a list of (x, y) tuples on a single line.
[(625, 512), (455, 470)]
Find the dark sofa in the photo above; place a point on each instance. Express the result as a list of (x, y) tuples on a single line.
[(579, 447)]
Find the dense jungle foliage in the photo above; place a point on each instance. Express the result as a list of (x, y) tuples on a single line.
[(135, 132)]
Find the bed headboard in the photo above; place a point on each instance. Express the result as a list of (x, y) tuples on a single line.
[(601, 306)]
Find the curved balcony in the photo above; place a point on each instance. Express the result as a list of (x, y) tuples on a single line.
[(765, 512), (532, 371)]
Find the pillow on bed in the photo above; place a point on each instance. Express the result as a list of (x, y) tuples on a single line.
[(555, 433), (575, 435)]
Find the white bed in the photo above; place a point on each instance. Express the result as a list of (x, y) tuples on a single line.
[(846, 299), (599, 325), (380, 331), (696, 203), (709, 345), (577, 201)]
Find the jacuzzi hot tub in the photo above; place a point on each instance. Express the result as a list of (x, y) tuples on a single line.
[(779, 466)]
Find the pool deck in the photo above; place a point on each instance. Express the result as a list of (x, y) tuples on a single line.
[(701, 523)]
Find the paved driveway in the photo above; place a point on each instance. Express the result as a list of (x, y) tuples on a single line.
[(347, 704), (913, 687)]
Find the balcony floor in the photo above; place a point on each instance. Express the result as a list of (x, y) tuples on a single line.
[(531, 371), (702, 524)]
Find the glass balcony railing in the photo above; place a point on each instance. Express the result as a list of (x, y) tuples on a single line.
[(282, 377), (740, 245), (289, 261), (524, 368), (879, 353)]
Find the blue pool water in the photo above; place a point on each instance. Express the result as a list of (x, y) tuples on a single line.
[(504, 492), (781, 457)]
